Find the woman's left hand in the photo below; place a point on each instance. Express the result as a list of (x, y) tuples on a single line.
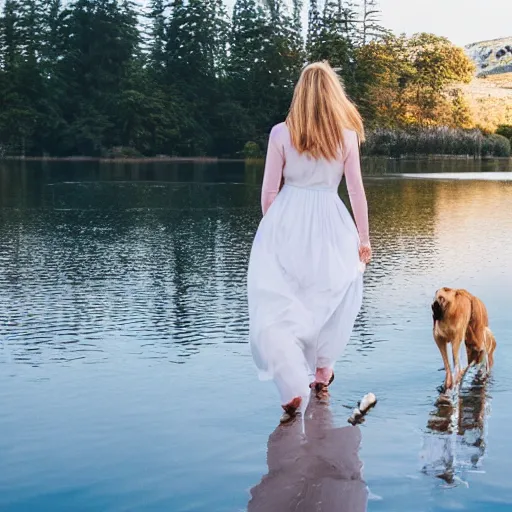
[(365, 254)]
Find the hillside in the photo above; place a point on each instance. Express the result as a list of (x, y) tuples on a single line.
[(490, 100), (491, 57), (490, 92)]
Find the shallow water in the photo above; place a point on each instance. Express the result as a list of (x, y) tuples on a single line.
[(126, 381)]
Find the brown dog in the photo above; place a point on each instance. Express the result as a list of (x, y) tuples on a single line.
[(459, 316)]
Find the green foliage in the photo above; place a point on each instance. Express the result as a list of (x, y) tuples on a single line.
[(252, 150), (87, 77), (122, 152), (505, 130), (411, 81), (495, 145), (332, 37)]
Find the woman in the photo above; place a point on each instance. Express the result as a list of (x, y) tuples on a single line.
[(307, 261)]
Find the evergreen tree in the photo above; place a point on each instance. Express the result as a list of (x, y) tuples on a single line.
[(246, 71), (283, 60), (314, 29), (10, 41), (100, 40), (196, 48), (87, 76), (333, 39), (23, 89), (158, 33), (370, 24)]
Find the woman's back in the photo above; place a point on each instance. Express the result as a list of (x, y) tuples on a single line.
[(302, 170)]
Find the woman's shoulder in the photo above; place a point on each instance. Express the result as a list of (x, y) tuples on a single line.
[(350, 139), (280, 135), (279, 130), (349, 135)]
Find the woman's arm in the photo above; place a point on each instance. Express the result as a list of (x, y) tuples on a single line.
[(356, 188), (273, 175)]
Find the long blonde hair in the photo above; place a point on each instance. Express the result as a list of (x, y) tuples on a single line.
[(319, 112)]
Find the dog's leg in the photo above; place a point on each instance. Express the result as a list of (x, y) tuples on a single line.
[(491, 347), (456, 343), (481, 339), (443, 348)]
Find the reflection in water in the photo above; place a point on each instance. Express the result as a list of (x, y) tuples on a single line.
[(319, 471), (455, 441), (109, 272), (81, 284)]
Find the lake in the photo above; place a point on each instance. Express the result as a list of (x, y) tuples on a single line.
[(126, 381)]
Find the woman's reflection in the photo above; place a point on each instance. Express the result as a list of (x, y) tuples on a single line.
[(319, 471), (445, 453)]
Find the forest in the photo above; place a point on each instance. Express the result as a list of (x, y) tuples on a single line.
[(110, 78)]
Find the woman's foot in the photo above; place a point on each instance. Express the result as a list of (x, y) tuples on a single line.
[(324, 376), (290, 409), (323, 379)]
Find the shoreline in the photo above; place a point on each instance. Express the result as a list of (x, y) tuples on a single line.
[(214, 160), (148, 159)]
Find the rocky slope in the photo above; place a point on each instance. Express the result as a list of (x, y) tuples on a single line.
[(491, 57)]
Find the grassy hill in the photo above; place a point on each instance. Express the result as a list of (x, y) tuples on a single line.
[(490, 99), (490, 93)]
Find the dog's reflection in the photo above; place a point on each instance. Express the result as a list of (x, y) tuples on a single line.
[(455, 438), (317, 470)]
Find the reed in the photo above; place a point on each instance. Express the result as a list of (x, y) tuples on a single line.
[(435, 141)]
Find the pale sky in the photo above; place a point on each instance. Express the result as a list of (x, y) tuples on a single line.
[(461, 21)]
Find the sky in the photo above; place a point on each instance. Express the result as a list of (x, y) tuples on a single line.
[(461, 21)]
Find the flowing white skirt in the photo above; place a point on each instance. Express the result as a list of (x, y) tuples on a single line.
[(305, 286)]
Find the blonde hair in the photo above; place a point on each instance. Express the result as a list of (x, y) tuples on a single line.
[(319, 112)]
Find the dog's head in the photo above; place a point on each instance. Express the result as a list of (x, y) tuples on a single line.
[(442, 300)]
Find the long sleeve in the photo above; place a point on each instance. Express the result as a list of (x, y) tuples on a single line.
[(356, 188), (273, 174)]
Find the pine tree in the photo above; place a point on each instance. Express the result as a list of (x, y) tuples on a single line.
[(158, 33), (332, 38), (197, 38), (196, 48), (314, 29), (296, 36), (370, 25), (10, 42), (100, 41), (23, 93), (283, 62)]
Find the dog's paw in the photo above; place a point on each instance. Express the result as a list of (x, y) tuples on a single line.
[(443, 400)]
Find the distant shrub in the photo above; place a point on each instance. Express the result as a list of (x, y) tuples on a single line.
[(505, 130), (252, 150), (435, 141), (495, 145), (122, 152)]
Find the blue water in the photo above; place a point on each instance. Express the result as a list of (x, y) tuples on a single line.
[(126, 382)]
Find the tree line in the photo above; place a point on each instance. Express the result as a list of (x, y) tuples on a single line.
[(187, 78)]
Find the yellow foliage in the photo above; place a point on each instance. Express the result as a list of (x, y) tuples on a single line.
[(410, 80)]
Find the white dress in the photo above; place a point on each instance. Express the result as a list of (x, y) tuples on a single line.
[(305, 279)]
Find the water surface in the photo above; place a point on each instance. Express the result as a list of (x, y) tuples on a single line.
[(126, 381)]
